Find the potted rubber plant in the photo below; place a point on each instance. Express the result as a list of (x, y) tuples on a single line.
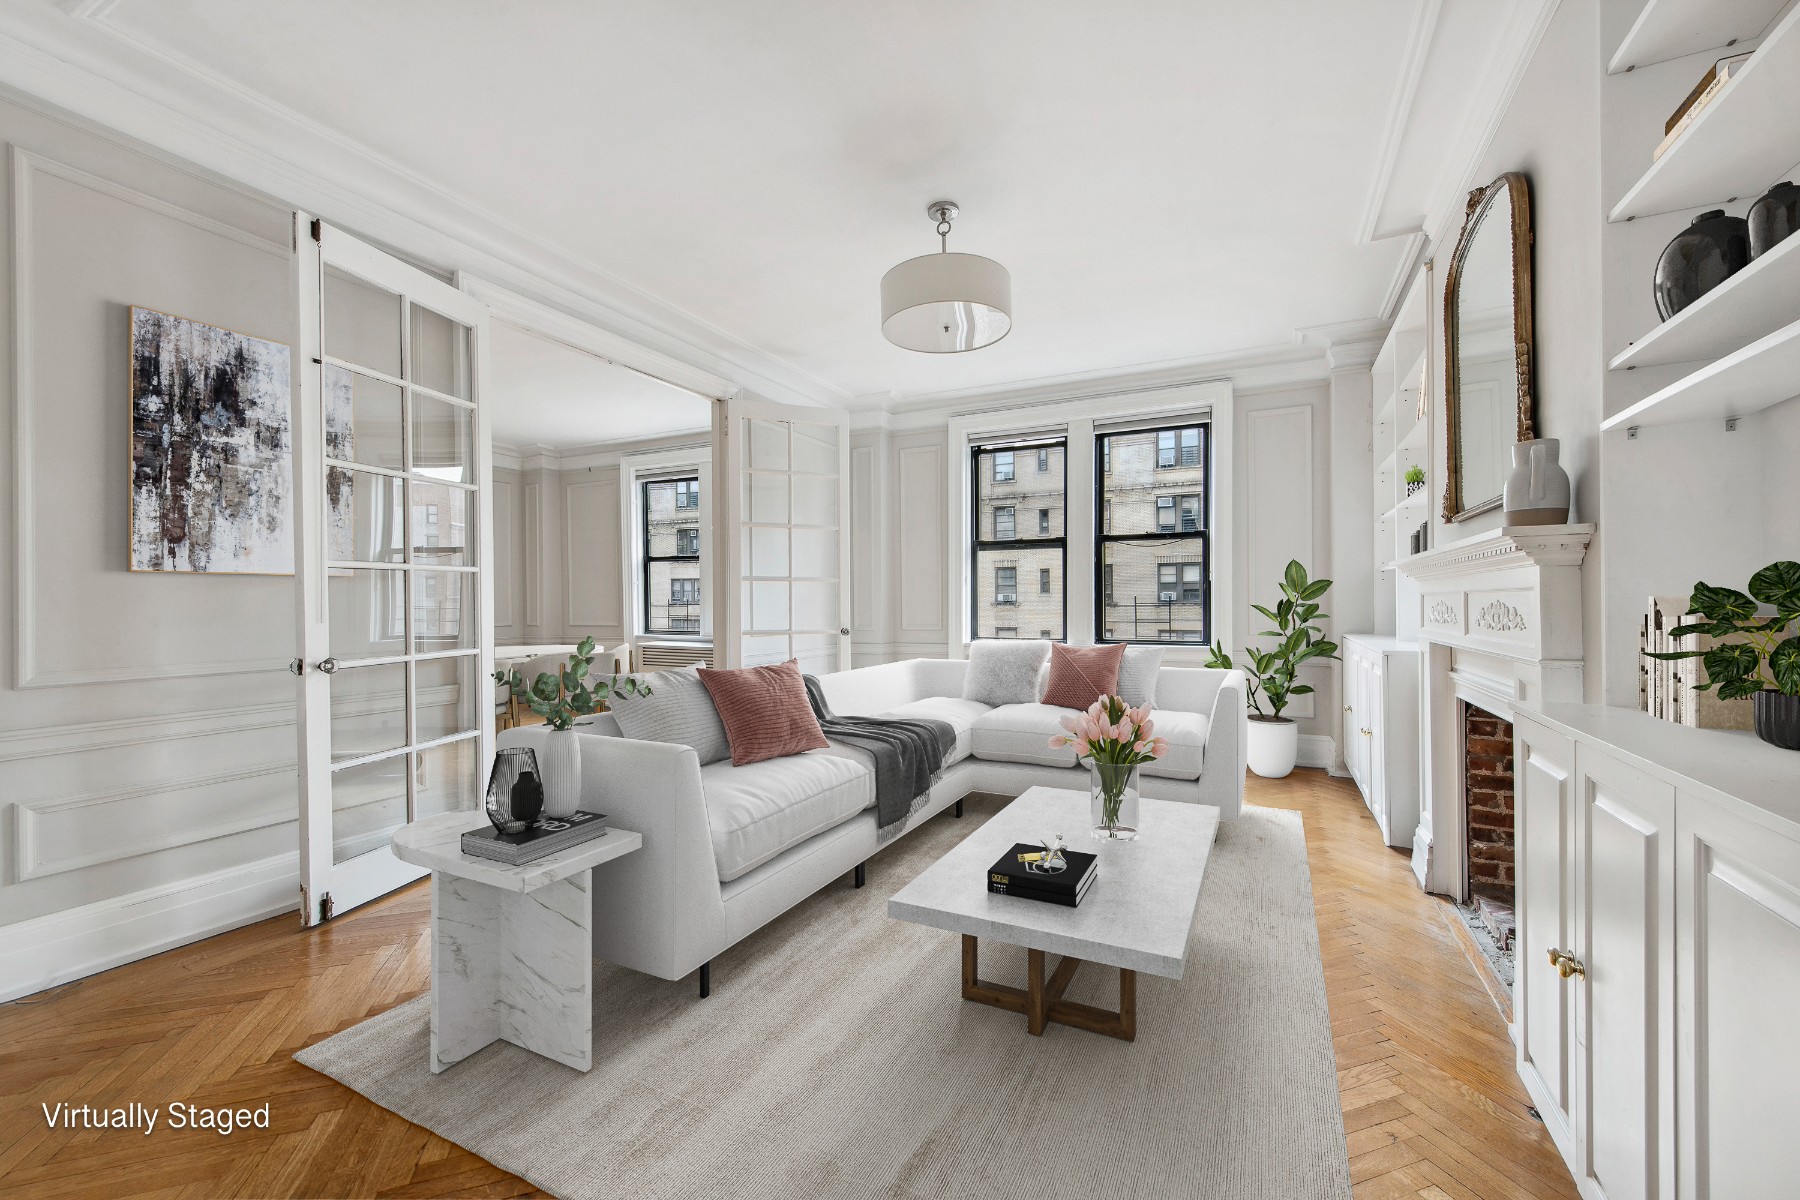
[(559, 698), (1274, 672), (1762, 657)]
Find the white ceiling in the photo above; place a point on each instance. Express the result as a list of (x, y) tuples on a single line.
[(545, 393), (1166, 179)]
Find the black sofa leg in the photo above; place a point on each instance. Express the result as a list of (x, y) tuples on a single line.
[(959, 810), (860, 877), (705, 980)]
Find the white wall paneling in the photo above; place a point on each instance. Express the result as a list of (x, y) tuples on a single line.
[(531, 561), (593, 558), (1279, 516), (506, 553), (918, 535)]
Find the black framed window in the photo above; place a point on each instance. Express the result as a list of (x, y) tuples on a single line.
[(1006, 552), (671, 565), (1153, 573)]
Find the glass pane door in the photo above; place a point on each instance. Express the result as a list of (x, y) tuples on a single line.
[(787, 482), (394, 528)]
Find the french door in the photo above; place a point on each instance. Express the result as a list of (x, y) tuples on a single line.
[(783, 503), (393, 526)]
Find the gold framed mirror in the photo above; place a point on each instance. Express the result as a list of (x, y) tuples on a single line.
[(1487, 346)]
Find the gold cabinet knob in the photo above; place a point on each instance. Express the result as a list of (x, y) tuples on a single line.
[(1368, 733), (1566, 964), (1347, 708)]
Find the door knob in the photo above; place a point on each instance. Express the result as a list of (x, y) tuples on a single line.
[(298, 666), (1566, 964), (328, 665)]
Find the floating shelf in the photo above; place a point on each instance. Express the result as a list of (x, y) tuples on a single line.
[(1415, 437), (1668, 29), (1765, 372), (1745, 140), (1758, 300), (1416, 500)]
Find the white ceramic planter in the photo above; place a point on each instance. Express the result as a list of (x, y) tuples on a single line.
[(1273, 747), (559, 764)]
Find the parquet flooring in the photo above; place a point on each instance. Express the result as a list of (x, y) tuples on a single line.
[(1431, 1105)]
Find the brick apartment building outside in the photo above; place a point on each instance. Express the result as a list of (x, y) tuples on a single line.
[(672, 552), (1152, 489)]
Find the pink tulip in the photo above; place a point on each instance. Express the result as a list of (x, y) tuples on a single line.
[(1071, 722), (1158, 747), (1059, 741), (1146, 727)]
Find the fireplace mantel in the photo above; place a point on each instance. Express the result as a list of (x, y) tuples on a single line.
[(1500, 618)]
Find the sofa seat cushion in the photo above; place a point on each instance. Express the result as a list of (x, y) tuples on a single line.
[(1186, 733), (759, 810), (1021, 733), (954, 711)]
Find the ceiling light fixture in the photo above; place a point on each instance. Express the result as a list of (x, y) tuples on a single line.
[(946, 303)]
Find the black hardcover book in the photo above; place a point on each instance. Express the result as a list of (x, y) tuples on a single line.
[(1067, 882), (1067, 899), (545, 836)]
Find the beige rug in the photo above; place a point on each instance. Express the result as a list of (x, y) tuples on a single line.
[(836, 1058)]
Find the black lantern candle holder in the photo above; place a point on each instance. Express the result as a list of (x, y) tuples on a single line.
[(515, 791)]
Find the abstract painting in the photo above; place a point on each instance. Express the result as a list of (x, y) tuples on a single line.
[(211, 442)]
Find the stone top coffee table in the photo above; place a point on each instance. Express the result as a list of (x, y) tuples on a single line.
[(1136, 916)]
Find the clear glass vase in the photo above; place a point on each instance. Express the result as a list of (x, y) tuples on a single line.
[(1113, 797)]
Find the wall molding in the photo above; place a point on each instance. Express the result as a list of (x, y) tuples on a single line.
[(21, 744), (28, 864), (42, 952), (575, 601), (27, 671)]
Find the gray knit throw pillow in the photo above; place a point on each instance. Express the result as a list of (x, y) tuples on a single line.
[(1137, 674), (679, 710), (1004, 672)]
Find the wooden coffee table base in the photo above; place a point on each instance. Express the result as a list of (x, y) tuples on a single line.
[(1041, 1001)]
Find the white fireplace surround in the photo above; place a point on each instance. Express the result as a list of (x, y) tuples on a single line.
[(1499, 616)]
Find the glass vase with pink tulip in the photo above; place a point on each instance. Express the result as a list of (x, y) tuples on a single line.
[(1114, 739)]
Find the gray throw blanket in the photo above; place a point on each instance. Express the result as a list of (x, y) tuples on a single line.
[(909, 755)]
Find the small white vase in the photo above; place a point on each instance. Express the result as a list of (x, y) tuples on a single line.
[(1537, 490), (559, 768), (1274, 745)]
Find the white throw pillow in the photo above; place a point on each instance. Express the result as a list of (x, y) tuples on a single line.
[(679, 709), (1004, 672), (1137, 674)]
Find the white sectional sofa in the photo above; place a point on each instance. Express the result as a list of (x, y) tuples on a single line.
[(727, 849)]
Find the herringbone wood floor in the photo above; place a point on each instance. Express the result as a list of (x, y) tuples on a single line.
[(1431, 1104)]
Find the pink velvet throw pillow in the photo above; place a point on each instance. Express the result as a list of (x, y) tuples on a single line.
[(1080, 675), (765, 712)]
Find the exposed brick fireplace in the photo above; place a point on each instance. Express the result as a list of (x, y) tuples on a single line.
[(1488, 799)]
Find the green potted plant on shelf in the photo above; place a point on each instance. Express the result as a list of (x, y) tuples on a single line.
[(1274, 672), (1415, 478), (560, 698), (1762, 657)]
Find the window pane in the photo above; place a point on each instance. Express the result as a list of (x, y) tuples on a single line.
[(1153, 590), (442, 531), (367, 616), (362, 419), (1147, 489), (1003, 493), (445, 779), (443, 610), (447, 696), (368, 803), (443, 440), (1001, 605), (674, 598), (362, 323), (440, 353), (364, 516)]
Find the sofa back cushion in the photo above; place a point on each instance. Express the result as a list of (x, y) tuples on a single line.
[(1137, 675), (765, 712), (1080, 675), (1004, 672), (678, 709)]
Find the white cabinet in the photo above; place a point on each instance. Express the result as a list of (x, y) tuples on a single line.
[(1381, 730), (1659, 867)]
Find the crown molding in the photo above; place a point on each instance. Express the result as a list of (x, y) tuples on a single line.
[(1406, 93), (599, 454), (74, 59)]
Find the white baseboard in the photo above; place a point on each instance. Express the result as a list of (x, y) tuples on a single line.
[(53, 949), (1316, 750)]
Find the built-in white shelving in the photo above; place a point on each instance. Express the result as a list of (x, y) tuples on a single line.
[(1765, 372), (1668, 29), (1402, 439), (1740, 144), (1757, 301)]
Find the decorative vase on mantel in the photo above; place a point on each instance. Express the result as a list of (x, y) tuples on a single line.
[(559, 769), (1113, 796), (1537, 490)]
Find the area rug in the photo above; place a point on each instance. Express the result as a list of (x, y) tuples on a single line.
[(836, 1058)]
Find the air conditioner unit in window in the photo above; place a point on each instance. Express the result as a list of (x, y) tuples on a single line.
[(1006, 598), (1166, 598)]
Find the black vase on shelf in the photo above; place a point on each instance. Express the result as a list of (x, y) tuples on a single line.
[(1773, 217), (515, 798), (1702, 256), (1777, 718)]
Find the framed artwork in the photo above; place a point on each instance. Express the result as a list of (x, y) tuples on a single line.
[(211, 449)]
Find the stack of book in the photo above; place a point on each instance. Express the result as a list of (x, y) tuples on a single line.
[(546, 836), (1704, 93), (1014, 875), (1666, 689)]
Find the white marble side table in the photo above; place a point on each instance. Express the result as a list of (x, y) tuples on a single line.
[(512, 951)]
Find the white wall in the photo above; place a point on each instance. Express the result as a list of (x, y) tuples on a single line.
[(147, 738)]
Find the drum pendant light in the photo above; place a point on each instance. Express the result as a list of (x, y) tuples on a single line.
[(946, 303)]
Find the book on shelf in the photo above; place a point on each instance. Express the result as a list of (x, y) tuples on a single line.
[(1704, 93), (1013, 875), (545, 836), (1668, 686)]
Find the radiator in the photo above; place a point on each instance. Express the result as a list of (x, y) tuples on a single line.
[(672, 656)]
